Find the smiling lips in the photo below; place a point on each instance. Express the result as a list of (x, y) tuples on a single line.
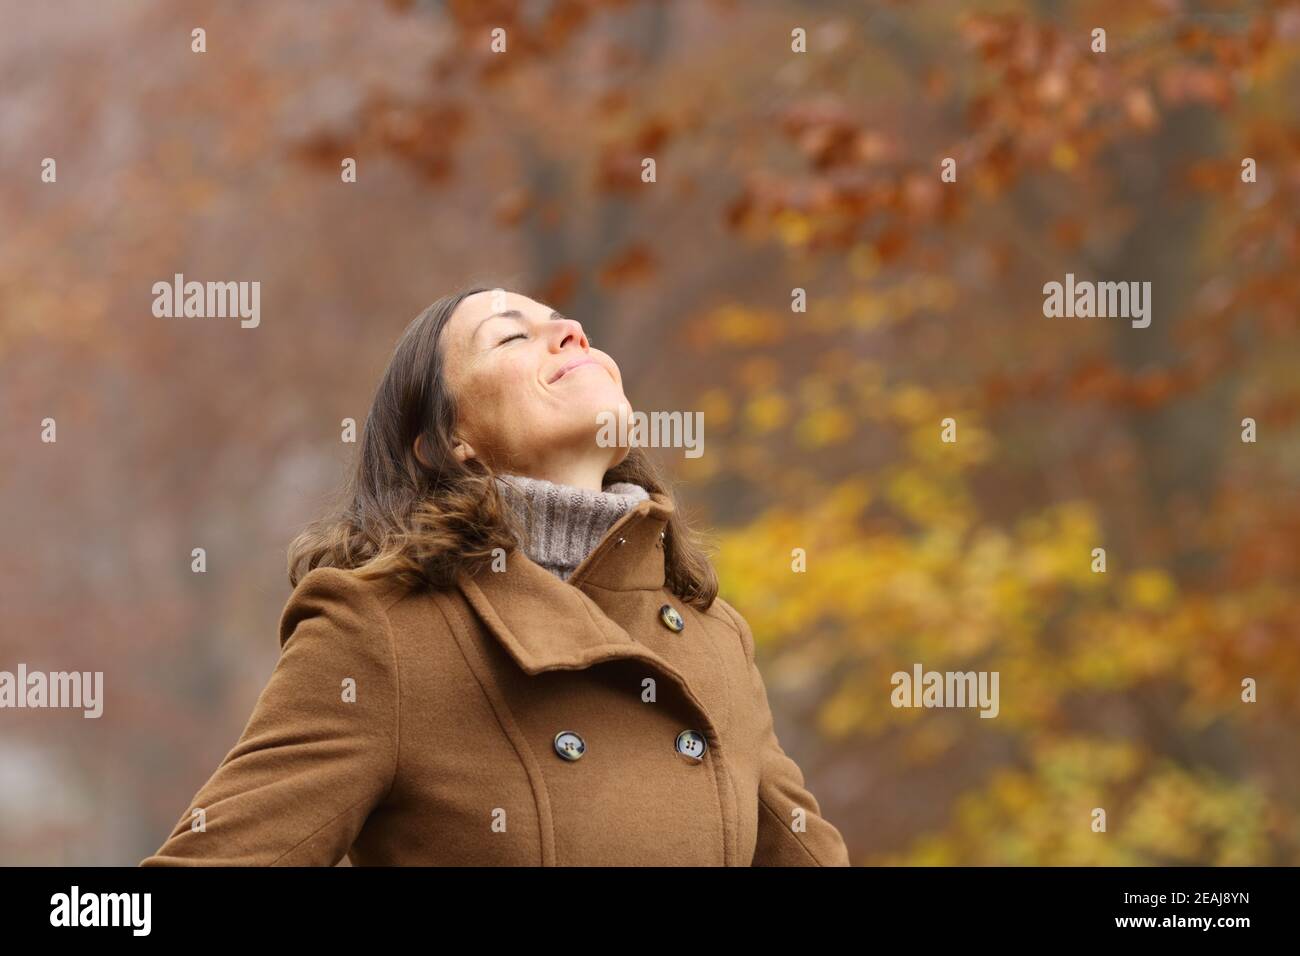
[(568, 367)]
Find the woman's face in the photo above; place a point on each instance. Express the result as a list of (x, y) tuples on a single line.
[(528, 385)]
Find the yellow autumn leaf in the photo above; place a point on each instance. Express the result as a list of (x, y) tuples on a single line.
[(1150, 589), (1064, 156), (767, 411), (793, 229), (825, 426)]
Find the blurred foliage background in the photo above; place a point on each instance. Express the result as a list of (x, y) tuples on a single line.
[(775, 170)]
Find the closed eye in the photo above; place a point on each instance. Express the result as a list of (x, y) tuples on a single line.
[(517, 335)]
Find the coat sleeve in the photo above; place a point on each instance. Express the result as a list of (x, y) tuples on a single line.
[(319, 751), (785, 837)]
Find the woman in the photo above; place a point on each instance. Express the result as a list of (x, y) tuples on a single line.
[(506, 649)]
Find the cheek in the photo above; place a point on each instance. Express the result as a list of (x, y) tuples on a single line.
[(500, 395)]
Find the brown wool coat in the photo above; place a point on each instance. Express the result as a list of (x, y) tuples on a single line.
[(448, 756)]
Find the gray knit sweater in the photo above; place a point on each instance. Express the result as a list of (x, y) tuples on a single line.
[(563, 523)]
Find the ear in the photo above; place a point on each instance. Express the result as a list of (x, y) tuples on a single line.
[(463, 450), (418, 448)]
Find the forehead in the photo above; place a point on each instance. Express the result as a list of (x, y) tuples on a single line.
[(473, 309)]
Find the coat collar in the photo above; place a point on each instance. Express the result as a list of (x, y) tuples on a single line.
[(546, 623)]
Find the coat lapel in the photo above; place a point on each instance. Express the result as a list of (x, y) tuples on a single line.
[(543, 622), (546, 624)]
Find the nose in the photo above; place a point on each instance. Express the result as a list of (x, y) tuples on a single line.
[(568, 331)]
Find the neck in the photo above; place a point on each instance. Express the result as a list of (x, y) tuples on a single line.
[(588, 475)]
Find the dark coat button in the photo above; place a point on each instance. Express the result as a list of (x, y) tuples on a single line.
[(569, 745), (671, 618), (691, 743)]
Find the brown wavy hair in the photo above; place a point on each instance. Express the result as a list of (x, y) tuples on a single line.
[(429, 523)]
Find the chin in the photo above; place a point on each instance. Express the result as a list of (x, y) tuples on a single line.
[(595, 401), (594, 415)]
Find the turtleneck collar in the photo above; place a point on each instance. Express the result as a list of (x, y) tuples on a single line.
[(564, 523)]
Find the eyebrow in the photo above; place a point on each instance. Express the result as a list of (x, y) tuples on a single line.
[(508, 314)]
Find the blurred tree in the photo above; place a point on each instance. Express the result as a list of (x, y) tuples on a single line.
[(775, 171)]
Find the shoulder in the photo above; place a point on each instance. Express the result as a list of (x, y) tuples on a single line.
[(724, 612), (342, 598)]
